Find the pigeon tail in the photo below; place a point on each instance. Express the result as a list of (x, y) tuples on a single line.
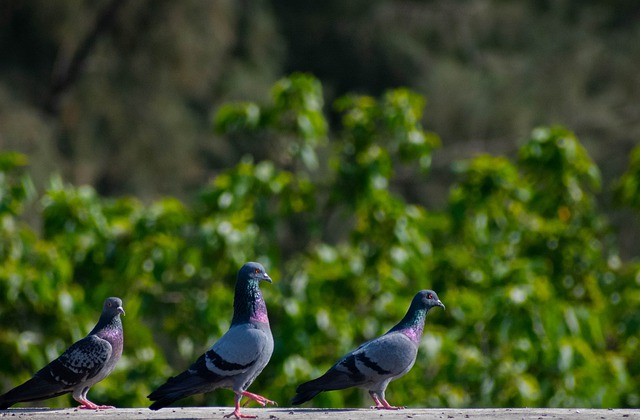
[(332, 380), (304, 396), (163, 397), (163, 402), (5, 404), (176, 388), (34, 389)]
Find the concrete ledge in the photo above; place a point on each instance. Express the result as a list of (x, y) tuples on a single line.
[(283, 413)]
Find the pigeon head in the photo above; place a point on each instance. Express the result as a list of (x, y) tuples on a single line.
[(413, 322), (110, 317), (429, 299), (253, 272), (248, 303), (112, 307)]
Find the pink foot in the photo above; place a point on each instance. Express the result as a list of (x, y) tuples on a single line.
[(257, 398), (88, 405), (387, 407), (382, 404), (237, 415)]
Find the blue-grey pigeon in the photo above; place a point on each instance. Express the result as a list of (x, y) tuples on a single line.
[(379, 361), (81, 366), (237, 358)]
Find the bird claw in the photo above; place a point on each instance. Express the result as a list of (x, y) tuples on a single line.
[(261, 402), (257, 398), (387, 407)]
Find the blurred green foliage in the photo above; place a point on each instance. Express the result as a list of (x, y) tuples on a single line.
[(541, 310)]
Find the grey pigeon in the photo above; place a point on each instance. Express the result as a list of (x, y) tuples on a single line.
[(237, 358), (379, 361), (81, 366)]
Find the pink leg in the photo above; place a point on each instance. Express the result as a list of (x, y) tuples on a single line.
[(257, 398), (236, 412)]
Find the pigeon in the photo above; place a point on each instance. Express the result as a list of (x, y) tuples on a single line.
[(237, 358), (84, 364), (379, 361)]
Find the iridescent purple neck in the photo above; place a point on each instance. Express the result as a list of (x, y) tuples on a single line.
[(414, 333), (412, 324), (111, 328), (112, 332), (248, 304), (260, 310)]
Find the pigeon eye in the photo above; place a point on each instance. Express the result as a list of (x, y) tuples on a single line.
[(429, 296), (257, 270)]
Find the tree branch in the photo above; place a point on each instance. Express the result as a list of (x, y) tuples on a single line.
[(69, 74)]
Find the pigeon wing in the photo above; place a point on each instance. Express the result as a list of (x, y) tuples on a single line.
[(389, 356), (82, 361), (374, 359), (236, 352)]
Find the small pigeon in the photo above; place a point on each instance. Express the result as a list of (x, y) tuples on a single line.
[(379, 361), (237, 358), (81, 366)]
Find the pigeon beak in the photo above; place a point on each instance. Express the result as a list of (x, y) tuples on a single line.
[(267, 278), (440, 304), (120, 309)]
